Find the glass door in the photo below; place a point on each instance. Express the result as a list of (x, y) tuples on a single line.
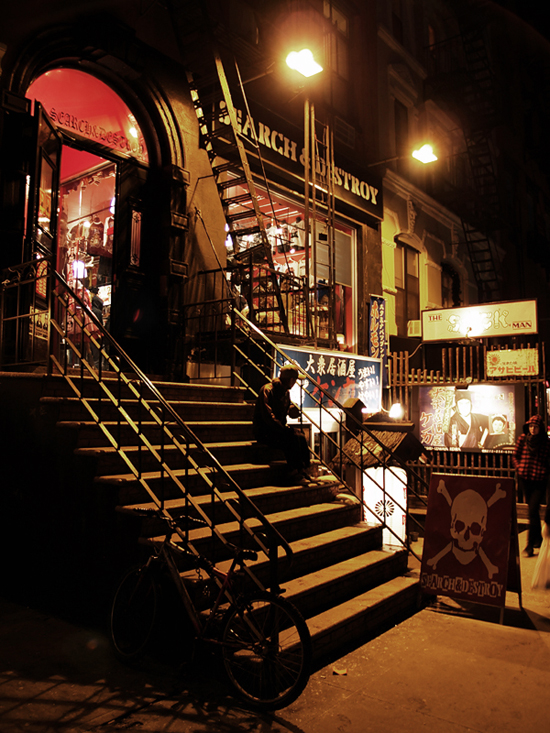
[(86, 224), (43, 198)]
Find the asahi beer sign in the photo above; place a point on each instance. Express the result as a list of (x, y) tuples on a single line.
[(480, 321)]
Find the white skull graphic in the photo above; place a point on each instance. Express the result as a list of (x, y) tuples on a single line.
[(468, 520)]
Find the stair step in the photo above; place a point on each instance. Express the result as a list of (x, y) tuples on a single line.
[(315, 552), (338, 582), (72, 408), (56, 386), (268, 499), (108, 459), (293, 524), (193, 480), (360, 618), (89, 433)]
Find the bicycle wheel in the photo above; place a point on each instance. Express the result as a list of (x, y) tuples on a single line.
[(266, 650), (133, 613)]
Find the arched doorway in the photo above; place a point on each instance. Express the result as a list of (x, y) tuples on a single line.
[(94, 182)]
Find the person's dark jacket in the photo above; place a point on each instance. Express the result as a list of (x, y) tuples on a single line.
[(271, 411)]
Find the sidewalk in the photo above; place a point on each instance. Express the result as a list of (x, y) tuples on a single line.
[(448, 669)]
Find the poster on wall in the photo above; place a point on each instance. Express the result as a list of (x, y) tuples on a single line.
[(377, 332), (467, 538), (341, 374), (479, 418)]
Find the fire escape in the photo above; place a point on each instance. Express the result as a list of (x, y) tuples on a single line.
[(460, 77), (280, 299)]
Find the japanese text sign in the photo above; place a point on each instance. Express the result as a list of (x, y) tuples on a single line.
[(513, 363), (341, 374)]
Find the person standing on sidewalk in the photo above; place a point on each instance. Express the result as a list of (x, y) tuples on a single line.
[(531, 460)]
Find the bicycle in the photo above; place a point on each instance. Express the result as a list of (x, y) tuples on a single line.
[(264, 641)]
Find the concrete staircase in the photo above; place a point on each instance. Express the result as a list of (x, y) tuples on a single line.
[(346, 585)]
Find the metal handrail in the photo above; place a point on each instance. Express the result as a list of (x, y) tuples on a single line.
[(66, 306), (384, 456)]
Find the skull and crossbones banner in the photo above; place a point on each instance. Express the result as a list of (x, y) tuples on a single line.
[(467, 538)]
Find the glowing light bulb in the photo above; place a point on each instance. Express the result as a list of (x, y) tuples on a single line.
[(303, 62)]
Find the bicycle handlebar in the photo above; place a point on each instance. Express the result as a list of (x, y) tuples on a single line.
[(240, 553)]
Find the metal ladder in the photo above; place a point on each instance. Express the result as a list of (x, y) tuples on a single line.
[(320, 204), (221, 137)]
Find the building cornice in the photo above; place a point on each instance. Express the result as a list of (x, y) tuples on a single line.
[(406, 190)]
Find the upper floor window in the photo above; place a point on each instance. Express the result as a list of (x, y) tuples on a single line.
[(450, 287), (401, 129), (397, 20), (339, 52), (407, 285), (337, 56)]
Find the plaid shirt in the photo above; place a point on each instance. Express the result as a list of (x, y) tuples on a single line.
[(533, 467)]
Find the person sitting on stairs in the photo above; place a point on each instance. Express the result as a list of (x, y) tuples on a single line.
[(270, 413)]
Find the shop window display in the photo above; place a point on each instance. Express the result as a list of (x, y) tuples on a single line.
[(285, 229), (86, 232)]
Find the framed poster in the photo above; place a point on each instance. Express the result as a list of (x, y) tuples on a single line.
[(481, 417)]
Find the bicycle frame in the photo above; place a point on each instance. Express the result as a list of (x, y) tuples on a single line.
[(264, 642), (223, 580)]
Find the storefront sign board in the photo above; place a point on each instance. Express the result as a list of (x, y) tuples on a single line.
[(467, 538), (512, 363), (343, 375), (480, 321), (377, 331), (281, 144)]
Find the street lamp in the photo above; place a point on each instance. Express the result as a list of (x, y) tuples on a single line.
[(425, 155), (304, 63)]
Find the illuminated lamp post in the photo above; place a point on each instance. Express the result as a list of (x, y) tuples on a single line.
[(304, 63), (424, 154)]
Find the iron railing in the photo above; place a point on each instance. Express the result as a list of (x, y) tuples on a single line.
[(76, 346), (233, 349)]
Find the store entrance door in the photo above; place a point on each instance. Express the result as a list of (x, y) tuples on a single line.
[(87, 198)]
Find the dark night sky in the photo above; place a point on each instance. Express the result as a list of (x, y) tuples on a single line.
[(534, 12)]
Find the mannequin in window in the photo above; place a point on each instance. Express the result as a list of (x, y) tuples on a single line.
[(95, 237), (108, 235), (297, 234), (273, 236)]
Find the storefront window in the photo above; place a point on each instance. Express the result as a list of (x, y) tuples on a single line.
[(330, 267), (95, 120), (87, 218)]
